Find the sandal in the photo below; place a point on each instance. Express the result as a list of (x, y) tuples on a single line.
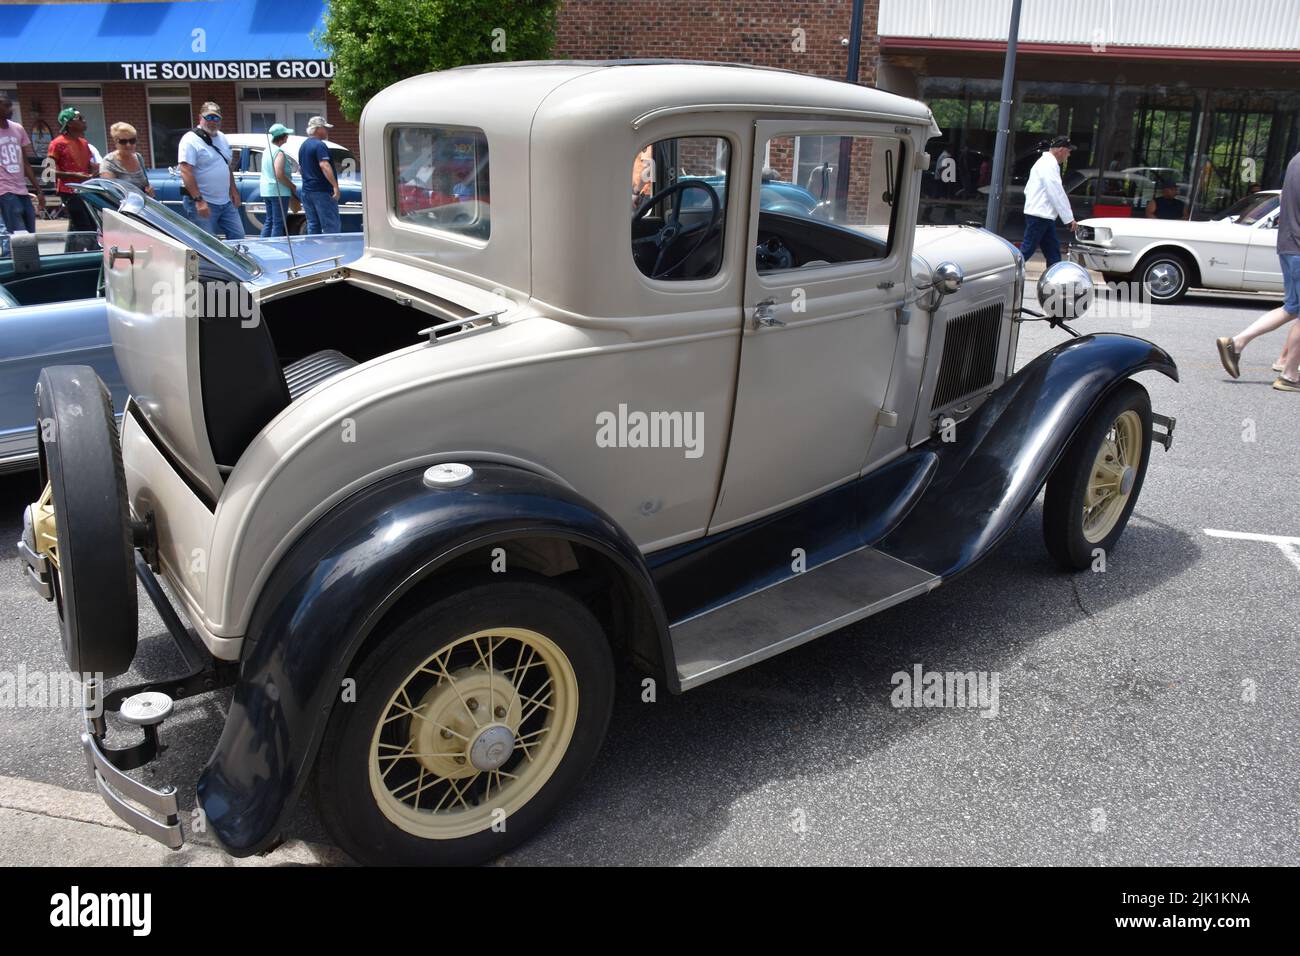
[(1284, 384)]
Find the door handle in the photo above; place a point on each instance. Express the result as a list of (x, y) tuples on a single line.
[(114, 253), (763, 317)]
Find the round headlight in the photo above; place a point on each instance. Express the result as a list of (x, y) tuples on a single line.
[(1065, 290)]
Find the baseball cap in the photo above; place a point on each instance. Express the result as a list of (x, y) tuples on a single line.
[(1062, 141), (210, 108), (68, 114), (316, 121), (279, 129)]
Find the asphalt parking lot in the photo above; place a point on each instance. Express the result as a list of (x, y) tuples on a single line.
[(1147, 715)]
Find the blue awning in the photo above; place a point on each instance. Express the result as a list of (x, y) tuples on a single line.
[(42, 40)]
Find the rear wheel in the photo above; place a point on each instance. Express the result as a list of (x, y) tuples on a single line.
[(474, 720), (1093, 490), (1165, 276)]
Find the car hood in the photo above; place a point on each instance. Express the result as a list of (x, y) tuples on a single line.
[(1144, 228)]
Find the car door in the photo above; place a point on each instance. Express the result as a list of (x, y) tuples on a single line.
[(1263, 272), (821, 298)]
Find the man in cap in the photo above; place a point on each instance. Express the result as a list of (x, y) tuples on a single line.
[(1045, 200), (211, 197), (74, 163), (320, 180)]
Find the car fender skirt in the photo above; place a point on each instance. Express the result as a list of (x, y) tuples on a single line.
[(332, 588), (1003, 454)]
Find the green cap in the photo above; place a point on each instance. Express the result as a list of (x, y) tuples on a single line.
[(277, 130), (68, 114)]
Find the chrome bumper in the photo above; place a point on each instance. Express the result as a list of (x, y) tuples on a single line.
[(1095, 257), (117, 788)]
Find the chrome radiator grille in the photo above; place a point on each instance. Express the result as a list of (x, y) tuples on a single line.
[(970, 351)]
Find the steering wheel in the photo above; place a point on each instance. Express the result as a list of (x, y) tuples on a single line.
[(672, 233)]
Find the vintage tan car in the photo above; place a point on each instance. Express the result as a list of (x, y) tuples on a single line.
[(673, 380)]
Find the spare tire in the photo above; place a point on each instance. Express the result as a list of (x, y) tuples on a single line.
[(93, 568)]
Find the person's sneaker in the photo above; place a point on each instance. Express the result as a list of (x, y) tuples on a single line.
[(1229, 356), (1284, 384)]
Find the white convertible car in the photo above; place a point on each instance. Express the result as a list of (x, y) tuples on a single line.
[(1169, 256)]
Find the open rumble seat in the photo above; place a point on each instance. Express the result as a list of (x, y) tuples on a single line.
[(245, 386), (306, 373)]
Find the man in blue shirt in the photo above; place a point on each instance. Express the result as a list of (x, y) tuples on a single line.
[(211, 197), (320, 181)]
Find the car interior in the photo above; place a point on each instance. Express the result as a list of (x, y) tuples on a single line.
[(39, 269), (678, 220)]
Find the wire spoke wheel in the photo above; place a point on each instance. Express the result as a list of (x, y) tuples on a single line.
[(1113, 472), (473, 733)]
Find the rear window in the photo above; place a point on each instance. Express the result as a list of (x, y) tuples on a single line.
[(440, 179)]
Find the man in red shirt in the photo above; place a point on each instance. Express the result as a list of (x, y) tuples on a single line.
[(73, 163)]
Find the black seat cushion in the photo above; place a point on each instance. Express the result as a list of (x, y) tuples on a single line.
[(306, 373)]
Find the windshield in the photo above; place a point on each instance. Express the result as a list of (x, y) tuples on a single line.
[(125, 198), (1250, 209)]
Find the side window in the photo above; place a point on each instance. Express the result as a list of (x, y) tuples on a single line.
[(827, 199), (440, 179), (255, 160), (236, 154), (678, 202)]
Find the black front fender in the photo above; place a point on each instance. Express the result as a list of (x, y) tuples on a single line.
[(329, 592), (1003, 454)]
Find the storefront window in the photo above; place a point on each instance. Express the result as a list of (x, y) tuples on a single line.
[(169, 120), (955, 187)]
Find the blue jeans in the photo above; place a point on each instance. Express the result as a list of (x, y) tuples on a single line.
[(222, 217), (322, 212), (18, 212), (1291, 281), (273, 223), (1041, 233)]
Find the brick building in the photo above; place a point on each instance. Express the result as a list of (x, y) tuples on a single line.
[(154, 64)]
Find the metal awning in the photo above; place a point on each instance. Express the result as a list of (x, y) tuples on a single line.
[(163, 42)]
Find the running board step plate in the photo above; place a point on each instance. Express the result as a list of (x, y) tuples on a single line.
[(785, 615)]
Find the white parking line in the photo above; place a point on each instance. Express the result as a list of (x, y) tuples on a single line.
[(1289, 546)]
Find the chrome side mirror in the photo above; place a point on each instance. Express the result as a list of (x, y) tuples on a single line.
[(1065, 291)]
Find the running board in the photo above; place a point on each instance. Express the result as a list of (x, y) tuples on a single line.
[(775, 619)]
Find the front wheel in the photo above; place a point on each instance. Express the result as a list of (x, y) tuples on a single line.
[(1094, 488), (1165, 276), (474, 720)]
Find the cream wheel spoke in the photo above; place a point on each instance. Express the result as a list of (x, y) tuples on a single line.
[(404, 711), (451, 681)]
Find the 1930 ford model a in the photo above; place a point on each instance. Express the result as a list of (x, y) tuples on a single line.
[(425, 500)]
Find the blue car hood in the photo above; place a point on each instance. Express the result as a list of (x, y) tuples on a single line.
[(258, 262)]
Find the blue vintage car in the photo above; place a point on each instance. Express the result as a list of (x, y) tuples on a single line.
[(247, 150), (52, 309)]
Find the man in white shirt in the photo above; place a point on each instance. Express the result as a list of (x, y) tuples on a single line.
[(210, 195), (1045, 200)]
